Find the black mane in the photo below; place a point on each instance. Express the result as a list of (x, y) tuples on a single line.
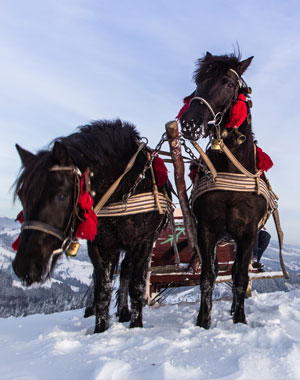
[(97, 142)]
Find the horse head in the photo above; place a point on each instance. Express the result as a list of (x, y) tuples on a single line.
[(218, 80), (48, 190)]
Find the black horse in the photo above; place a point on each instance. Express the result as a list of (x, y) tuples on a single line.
[(220, 213), (49, 186)]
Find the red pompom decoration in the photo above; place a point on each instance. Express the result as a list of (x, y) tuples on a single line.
[(88, 228), (185, 107), (263, 161), (160, 170), (238, 113), (19, 218), (15, 244), (193, 170)]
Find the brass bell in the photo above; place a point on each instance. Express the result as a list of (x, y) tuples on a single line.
[(249, 90), (240, 138), (73, 249), (224, 133), (216, 145), (250, 104)]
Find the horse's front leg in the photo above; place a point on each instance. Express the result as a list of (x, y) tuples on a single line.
[(240, 277), (102, 285), (209, 272), (138, 282)]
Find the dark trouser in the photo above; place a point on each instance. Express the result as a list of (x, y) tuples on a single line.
[(262, 241)]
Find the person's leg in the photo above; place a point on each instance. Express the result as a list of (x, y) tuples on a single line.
[(263, 242)]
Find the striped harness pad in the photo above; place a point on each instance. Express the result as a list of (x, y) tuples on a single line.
[(136, 204), (235, 182)]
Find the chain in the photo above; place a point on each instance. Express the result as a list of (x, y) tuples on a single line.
[(147, 166), (200, 163)]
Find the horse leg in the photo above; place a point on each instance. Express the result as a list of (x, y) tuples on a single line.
[(138, 281), (240, 277), (102, 285), (122, 300), (209, 272)]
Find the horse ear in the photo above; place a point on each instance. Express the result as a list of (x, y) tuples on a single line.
[(208, 54), (243, 66), (25, 155), (60, 153)]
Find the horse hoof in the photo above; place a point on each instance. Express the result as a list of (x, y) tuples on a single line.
[(124, 315), (89, 311), (136, 323), (205, 324), (103, 326), (239, 319)]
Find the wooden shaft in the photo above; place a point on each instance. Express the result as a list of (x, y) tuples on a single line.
[(175, 149)]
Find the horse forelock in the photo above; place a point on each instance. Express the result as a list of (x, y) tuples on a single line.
[(32, 179), (214, 66)]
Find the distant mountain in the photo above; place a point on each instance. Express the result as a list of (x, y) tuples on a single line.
[(70, 285), (8, 223), (69, 288)]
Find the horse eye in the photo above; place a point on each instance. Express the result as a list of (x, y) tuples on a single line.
[(230, 85), (61, 197)]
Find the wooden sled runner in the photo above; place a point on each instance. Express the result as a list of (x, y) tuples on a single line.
[(164, 273)]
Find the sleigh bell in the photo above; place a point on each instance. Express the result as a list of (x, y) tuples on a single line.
[(216, 145), (73, 249), (240, 138)]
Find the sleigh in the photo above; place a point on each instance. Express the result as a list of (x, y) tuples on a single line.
[(165, 274)]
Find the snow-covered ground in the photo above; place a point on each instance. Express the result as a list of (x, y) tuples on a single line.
[(62, 346)]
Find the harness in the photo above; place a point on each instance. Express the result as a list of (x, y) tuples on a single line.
[(246, 181), (66, 236), (131, 204)]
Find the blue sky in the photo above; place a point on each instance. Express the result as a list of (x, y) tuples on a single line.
[(65, 63)]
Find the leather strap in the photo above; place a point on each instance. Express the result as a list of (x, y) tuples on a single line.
[(114, 186)]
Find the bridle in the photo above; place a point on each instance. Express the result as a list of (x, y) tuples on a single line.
[(66, 236), (218, 117)]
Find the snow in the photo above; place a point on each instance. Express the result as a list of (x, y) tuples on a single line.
[(62, 346)]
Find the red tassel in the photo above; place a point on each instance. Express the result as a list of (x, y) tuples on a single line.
[(238, 113), (185, 107), (88, 228), (193, 171), (160, 170), (19, 218), (263, 161), (15, 244)]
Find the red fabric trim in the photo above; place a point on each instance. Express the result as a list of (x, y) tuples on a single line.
[(238, 113)]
